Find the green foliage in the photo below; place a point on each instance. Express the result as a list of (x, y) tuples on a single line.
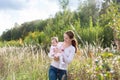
[(6, 35), (57, 26), (1, 44), (110, 19), (91, 35), (90, 24), (35, 37), (13, 43), (21, 31), (88, 9), (16, 43), (98, 69), (107, 55), (107, 36)]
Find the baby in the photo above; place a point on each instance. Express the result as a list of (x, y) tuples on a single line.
[(56, 50)]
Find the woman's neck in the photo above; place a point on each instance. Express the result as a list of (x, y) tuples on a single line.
[(66, 44)]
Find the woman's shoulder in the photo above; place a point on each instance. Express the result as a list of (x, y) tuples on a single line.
[(72, 47)]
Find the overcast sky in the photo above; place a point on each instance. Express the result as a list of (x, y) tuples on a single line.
[(20, 11)]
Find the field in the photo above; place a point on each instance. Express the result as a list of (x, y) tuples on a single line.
[(31, 63), (26, 31)]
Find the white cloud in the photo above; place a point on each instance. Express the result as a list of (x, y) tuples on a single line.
[(37, 9), (5, 21), (99, 3), (12, 4), (73, 4)]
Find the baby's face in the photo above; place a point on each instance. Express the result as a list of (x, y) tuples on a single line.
[(54, 42)]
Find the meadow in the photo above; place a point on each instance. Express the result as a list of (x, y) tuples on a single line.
[(24, 48), (32, 63)]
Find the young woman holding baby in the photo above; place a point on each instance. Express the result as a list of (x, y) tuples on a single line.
[(63, 52)]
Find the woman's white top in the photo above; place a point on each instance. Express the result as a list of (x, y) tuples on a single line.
[(68, 55)]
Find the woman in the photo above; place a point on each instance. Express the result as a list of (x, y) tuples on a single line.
[(69, 46)]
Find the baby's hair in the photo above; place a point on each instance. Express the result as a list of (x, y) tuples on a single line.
[(55, 38)]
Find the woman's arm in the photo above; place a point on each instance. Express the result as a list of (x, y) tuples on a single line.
[(69, 58)]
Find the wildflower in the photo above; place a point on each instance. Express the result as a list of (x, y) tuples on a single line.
[(96, 61)]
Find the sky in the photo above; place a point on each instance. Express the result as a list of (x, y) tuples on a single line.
[(20, 11)]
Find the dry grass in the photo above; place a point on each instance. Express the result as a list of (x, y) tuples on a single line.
[(26, 63)]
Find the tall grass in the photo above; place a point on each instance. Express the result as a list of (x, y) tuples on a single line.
[(23, 64), (30, 63)]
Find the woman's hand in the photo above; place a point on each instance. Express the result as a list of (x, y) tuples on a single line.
[(56, 58)]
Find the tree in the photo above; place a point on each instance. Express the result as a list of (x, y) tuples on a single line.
[(63, 4), (6, 36), (110, 21), (87, 9)]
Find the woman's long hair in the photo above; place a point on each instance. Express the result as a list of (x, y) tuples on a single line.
[(71, 35)]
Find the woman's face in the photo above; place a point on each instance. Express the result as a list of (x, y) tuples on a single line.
[(67, 39)]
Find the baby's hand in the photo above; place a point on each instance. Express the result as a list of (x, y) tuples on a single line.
[(56, 50), (61, 50)]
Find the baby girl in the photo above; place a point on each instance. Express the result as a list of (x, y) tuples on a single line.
[(56, 51)]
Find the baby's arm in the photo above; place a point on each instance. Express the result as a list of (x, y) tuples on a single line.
[(51, 53)]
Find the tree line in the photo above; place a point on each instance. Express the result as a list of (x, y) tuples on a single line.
[(91, 23)]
